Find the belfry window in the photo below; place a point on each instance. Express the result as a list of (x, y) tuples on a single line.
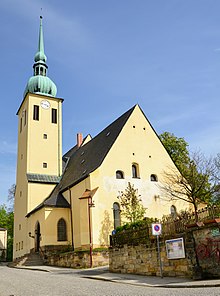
[(61, 230), (20, 124), (54, 115), (25, 117), (36, 112)]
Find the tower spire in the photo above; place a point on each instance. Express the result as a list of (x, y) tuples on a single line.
[(39, 83), (40, 55)]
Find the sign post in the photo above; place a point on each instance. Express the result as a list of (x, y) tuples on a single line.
[(157, 230)]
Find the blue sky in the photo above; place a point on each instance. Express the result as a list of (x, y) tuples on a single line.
[(106, 56)]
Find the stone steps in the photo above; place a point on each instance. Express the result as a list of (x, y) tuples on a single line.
[(32, 259)]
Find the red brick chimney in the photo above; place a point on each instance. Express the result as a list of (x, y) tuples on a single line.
[(79, 139)]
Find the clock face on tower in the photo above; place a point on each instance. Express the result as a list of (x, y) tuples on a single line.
[(45, 104)]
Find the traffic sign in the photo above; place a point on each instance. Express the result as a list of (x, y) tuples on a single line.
[(156, 229)]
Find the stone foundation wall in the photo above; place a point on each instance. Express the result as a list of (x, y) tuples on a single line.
[(144, 260), (202, 255), (78, 259)]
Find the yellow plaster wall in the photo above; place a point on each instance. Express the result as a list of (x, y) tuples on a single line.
[(51, 148), (79, 213), (48, 219), (33, 150), (137, 143), (37, 193)]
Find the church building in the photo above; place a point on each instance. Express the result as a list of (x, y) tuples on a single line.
[(72, 199)]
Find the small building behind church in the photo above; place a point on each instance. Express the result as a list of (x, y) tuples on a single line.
[(3, 244), (72, 199)]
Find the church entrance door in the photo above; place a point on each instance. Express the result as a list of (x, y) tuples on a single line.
[(37, 237)]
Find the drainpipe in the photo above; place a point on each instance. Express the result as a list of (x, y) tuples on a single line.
[(59, 140)]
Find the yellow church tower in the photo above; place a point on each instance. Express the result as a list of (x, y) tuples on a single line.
[(39, 156)]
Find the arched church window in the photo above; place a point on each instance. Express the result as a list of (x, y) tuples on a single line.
[(173, 212), (61, 230), (119, 175), (41, 71), (116, 215), (135, 170)]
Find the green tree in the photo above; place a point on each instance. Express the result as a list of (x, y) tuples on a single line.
[(7, 221), (177, 148), (130, 201), (193, 185)]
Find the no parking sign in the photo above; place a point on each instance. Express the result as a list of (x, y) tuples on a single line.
[(156, 229)]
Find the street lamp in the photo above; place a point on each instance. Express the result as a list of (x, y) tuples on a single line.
[(88, 194), (90, 205)]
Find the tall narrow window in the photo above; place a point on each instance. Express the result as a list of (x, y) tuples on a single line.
[(116, 215), (173, 212), (135, 171), (61, 230), (20, 124), (36, 112), (25, 117), (54, 115)]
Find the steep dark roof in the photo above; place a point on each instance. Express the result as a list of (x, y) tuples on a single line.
[(87, 158), (80, 162)]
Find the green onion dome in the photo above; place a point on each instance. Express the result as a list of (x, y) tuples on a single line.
[(41, 85)]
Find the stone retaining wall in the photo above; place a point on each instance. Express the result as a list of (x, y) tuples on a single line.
[(78, 259), (144, 260), (202, 255)]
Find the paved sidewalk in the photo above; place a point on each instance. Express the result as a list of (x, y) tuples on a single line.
[(102, 273)]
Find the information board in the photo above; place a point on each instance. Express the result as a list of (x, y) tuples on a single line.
[(175, 248)]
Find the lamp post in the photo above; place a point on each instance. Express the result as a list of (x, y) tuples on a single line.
[(90, 205), (88, 194)]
